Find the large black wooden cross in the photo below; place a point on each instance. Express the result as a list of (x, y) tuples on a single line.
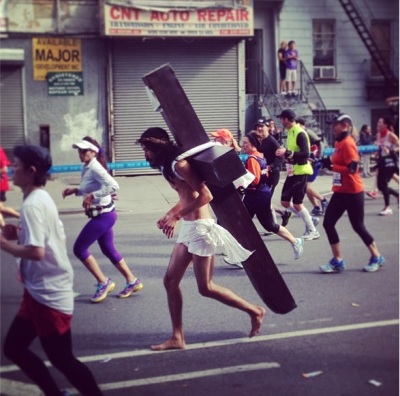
[(219, 166)]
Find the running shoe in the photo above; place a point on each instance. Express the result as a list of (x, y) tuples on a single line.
[(130, 288), (298, 247), (236, 264), (286, 217), (310, 235), (386, 212), (102, 290), (324, 205), (374, 264), (333, 266), (316, 211), (315, 220), (372, 194)]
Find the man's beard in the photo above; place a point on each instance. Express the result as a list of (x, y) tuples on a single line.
[(153, 163)]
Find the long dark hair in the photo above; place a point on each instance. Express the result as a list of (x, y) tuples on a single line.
[(157, 141), (100, 155)]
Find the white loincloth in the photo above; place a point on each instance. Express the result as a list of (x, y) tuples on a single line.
[(203, 236)]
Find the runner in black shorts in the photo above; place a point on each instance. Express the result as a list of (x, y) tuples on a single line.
[(298, 169)]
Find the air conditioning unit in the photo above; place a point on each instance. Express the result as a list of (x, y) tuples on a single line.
[(324, 72)]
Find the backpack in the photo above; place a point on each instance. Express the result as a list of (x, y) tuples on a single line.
[(262, 185)]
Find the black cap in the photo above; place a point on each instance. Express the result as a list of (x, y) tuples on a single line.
[(32, 155), (289, 114), (340, 118), (262, 121)]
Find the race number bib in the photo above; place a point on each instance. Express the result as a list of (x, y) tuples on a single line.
[(289, 170), (336, 179)]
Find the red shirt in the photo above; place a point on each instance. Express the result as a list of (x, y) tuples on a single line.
[(4, 162), (346, 182)]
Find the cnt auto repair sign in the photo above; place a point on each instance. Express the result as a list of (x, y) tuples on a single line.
[(223, 22), (52, 54)]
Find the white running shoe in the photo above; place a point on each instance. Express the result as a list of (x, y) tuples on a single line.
[(310, 235), (386, 212), (298, 247)]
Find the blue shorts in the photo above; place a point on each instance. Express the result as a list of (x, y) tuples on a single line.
[(312, 177)]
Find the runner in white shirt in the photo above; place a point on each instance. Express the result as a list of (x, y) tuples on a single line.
[(47, 275)]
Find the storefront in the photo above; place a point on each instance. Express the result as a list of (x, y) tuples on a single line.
[(11, 98), (207, 57)]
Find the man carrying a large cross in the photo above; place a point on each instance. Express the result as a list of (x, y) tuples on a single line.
[(198, 238)]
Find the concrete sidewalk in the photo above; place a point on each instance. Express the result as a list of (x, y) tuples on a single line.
[(143, 194)]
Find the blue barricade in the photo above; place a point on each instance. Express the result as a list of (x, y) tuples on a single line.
[(328, 151), (370, 149), (111, 166)]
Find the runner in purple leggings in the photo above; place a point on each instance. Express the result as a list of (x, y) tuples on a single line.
[(97, 188)]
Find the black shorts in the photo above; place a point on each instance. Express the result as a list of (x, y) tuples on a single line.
[(282, 71), (294, 189)]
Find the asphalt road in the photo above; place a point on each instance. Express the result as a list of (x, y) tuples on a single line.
[(345, 327)]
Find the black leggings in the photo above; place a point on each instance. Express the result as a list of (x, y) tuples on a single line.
[(259, 203), (59, 351), (384, 176), (354, 205), (273, 180)]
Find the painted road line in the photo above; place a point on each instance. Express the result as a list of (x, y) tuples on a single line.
[(213, 344), (14, 388), (185, 376)]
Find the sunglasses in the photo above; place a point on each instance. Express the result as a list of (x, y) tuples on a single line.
[(83, 151)]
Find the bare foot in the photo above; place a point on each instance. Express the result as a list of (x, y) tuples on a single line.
[(256, 322), (170, 344)]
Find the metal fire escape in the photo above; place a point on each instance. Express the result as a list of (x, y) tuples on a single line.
[(369, 42)]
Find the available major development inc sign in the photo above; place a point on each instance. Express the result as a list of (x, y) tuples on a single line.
[(55, 54)]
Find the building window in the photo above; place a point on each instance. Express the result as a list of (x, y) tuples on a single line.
[(380, 32), (324, 44)]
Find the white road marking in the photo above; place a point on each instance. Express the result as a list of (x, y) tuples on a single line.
[(279, 336), (187, 376), (14, 388)]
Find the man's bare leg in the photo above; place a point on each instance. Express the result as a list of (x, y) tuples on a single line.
[(179, 261), (203, 269)]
